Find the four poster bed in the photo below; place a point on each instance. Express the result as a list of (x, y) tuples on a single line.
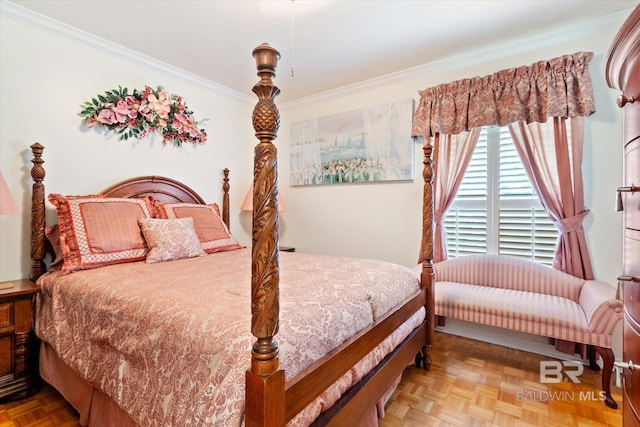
[(131, 341)]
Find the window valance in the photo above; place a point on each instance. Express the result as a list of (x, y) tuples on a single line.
[(559, 87)]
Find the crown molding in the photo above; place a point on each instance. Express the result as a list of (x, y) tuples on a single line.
[(47, 24), (476, 56), (487, 53)]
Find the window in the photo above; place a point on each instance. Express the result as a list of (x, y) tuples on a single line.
[(496, 209)]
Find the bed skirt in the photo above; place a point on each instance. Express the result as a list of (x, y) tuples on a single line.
[(96, 409)]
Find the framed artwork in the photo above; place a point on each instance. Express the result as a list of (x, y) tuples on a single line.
[(369, 145)]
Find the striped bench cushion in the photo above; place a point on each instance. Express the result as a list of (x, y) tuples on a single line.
[(531, 312), (508, 272)]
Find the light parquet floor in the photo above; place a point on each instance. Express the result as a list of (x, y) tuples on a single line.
[(471, 383), (46, 408)]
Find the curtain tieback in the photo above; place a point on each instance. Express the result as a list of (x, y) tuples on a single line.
[(437, 216), (572, 223)]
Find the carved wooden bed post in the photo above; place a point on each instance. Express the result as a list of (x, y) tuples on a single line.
[(37, 214), (225, 198), (427, 274), (265, 381)]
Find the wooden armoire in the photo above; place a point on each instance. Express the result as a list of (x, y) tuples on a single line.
[(623, 73)]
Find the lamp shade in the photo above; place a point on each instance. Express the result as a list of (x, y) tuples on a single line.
[(7, 204), (247, 204)]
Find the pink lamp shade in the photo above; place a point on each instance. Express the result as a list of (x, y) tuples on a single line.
[(7, 204), (247, 204)]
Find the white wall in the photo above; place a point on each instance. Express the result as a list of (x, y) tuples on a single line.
[(383, 220), (46, 73)]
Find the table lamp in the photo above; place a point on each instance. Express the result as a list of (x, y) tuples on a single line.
[(7, 207)]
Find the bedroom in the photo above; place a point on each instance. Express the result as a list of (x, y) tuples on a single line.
[(36, 88)]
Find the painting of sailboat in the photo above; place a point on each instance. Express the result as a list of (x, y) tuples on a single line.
[(369, 145)]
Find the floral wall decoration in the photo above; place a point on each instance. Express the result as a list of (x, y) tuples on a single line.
[(134, 115)]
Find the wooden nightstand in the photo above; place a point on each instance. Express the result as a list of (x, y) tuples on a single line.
[(287, 249), (18, 344)]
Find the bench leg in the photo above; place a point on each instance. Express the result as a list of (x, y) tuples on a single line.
[(593, 363), (607, 368)]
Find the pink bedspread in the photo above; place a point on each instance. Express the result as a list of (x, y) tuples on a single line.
[(169, 342)]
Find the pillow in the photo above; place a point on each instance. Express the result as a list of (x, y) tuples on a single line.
[(97, 230), (212, 231), (53, 236), (170, 239)]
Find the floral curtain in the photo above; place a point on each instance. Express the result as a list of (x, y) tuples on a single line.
[(556, 88), (559, 87)]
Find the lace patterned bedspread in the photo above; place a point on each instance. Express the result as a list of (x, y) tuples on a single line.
[(170, 342)]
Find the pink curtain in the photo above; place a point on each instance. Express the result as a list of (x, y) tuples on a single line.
[(525, 97), (451, 156), (556, 88), (553, 161)]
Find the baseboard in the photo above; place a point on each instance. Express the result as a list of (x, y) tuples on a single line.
[(505, 337)]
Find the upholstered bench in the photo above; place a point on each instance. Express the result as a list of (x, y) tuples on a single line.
[(520, 295)]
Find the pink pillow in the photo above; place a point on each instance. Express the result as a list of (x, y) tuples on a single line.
[(170, 239), (212, 231), (97, 231), (53, 236)]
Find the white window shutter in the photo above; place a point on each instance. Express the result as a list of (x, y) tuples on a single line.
[(522, 227)]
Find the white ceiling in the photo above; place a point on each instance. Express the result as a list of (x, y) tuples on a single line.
[(331, 44)]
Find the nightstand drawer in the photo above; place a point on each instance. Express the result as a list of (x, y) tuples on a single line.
[(6, 317), (5, 355), (18, 343)]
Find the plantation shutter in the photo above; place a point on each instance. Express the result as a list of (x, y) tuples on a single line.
[(496, 209), (527, 233), (524, 231), (514, 181)]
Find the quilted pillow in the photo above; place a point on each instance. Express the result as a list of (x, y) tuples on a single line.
[(97, 230), (170, 239), (212, 231)]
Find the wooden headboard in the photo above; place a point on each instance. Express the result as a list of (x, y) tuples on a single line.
[(162, 189), (167, 190)]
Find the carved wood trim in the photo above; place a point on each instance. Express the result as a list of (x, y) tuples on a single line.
[(38, 251), (225, 198), (264, 381), (427, 275), (265, 260)]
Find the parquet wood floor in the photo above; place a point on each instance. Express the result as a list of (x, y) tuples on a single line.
[(471, 383)]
